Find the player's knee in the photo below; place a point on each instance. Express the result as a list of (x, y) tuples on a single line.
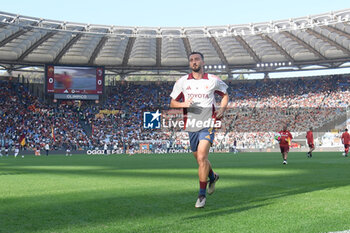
[(202, 160)]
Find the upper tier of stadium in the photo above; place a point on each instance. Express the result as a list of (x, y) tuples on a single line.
[(294, 44)]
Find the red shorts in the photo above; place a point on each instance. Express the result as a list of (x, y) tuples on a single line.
[(346, 146), (311, 145), (284, 148)]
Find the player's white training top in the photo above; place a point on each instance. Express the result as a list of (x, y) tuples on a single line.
[(202, 92)]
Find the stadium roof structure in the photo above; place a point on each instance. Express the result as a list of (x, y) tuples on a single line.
[(320, 40)]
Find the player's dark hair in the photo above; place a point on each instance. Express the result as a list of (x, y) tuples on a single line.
[(194, 52), (346, 129)]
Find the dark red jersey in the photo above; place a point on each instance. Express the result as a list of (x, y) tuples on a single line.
[(310, 137), (286, 138), (345, 138)]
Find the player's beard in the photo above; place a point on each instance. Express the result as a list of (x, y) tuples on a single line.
[(197, 69)]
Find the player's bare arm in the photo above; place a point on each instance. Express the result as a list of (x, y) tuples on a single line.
[(178, 104), (223, 106)]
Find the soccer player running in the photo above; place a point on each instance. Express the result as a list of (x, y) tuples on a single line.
[(17, 149), (195, 94), (286, 138), (345, 139), (310, 142)]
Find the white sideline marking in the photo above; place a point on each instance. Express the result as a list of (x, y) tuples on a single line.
[(346, 231)]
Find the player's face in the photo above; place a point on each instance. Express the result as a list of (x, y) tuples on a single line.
[(196, 62)]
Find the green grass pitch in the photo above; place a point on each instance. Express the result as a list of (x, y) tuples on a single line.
[(157, 193)]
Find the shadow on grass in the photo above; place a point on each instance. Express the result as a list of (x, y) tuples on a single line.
[(119, 210), (216, 213)]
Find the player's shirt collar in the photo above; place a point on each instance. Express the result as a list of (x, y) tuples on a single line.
[(190, 76)]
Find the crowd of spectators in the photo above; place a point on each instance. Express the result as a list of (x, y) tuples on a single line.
[(256, 110), (23, 114), (259, 109)]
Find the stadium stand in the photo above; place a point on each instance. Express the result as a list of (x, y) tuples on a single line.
[(257, 109)]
